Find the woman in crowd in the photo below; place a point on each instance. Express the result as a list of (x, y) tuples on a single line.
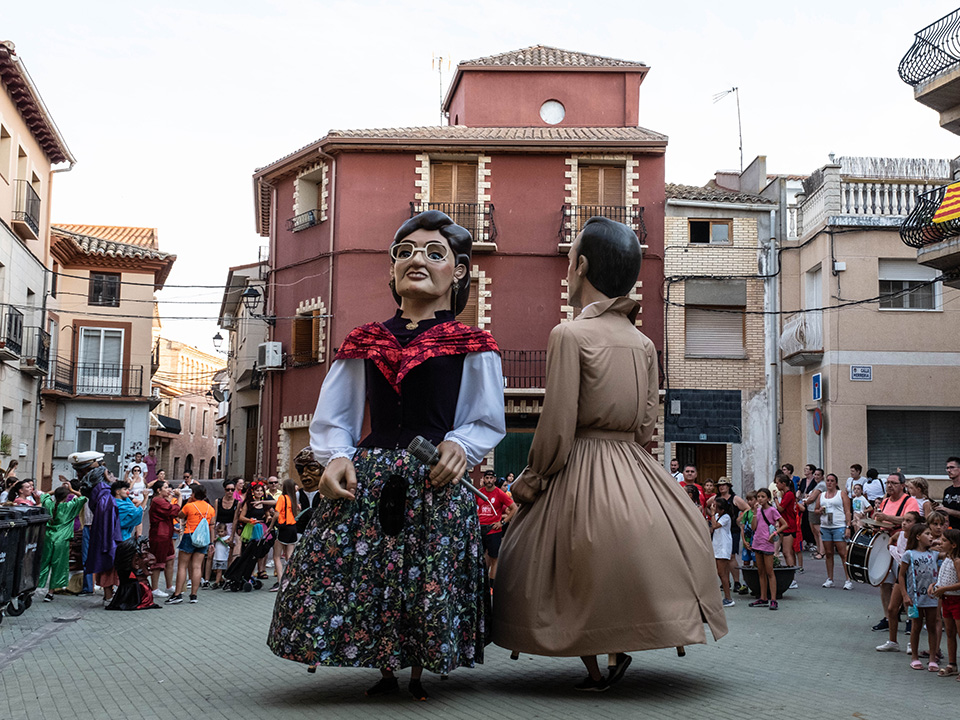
[(190, 557), (254, 512), (11, 472), (947, 590), (163, 511), (787, 507), (804, 488), (23, 493), (767, 526), (720, 522), (55, 560), (388, 510), (226, 514), (285, 514), (833, 507), (129, 515), (138, 496), (918, 571), (919, 489)]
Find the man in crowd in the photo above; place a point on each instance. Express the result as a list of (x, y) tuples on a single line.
[(151, 462), (890, 513), (675, 470), (493, 514), (138, 462), (854, 478), (690, 478), (951, 496)]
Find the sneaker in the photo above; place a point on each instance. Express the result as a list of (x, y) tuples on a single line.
[(205, 585), (800, 570), (744, 590), (48, 597), (848, 585), (793, 585), (591, 685), (882, 625), (773, 605), (160, 594), (909, 649), (889, 646), (174, 600), (736, 587), (615, 672), (828, 583), (171, 590), (728, 603), (759, 603), (193, 599), (276, 586)]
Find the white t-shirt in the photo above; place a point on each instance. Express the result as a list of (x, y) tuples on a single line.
[(850, 482), (722, 538), (833, 517), (137, 489), (873, 489), (678, 476)]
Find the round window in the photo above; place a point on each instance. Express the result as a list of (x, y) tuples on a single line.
[(552, 112)]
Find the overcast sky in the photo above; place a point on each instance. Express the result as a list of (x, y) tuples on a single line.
[(169, 106)]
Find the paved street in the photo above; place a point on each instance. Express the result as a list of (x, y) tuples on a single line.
[(814, 656)]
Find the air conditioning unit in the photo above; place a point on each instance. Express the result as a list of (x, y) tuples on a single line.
[(270, 356)]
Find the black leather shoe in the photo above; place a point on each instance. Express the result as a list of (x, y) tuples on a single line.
[(385, 686), (591, 685), (416, 689)]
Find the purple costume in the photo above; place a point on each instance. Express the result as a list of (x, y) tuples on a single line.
[(105, 530)]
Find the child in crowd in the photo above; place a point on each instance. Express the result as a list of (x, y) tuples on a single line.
[(937, 521), (720, 522), (221, 553), (897, 546), (860, 505), (767, 526), (918, 571), (709, 489), (745, 520), (947, 590), (694, 492)]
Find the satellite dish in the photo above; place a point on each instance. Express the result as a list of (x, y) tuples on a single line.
[(218, 395)]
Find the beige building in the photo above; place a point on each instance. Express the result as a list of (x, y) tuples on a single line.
[(97, 394), (873, 327), (183, 426), (718, 397), (31, 152)]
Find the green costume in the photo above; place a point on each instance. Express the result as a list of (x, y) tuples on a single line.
[(56, 546)]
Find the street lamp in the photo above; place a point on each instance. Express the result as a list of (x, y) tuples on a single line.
[(217, 340), (251, 300)]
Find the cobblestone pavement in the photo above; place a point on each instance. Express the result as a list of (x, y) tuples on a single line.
[(70, 659)]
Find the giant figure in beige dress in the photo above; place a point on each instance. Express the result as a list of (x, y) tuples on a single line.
[(607, 553)]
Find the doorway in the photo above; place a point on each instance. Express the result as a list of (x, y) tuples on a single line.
[(511, 454), (109, 442), (710, 459)]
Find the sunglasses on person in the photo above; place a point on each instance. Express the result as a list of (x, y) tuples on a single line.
[(229, 488), (433, 251)]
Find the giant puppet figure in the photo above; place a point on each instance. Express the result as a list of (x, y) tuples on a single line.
[(607, 554), (389, 572)]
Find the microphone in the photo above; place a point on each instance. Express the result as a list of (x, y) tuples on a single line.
[(427, 453)]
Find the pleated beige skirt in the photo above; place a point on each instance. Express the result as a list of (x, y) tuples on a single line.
[(612, 557)]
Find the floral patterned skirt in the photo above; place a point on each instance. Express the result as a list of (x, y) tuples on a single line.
[(352, 595)]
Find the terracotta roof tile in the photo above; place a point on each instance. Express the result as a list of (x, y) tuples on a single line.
[(144, 237), (545, 56), (463, 132), (713, 194), (92, 245)]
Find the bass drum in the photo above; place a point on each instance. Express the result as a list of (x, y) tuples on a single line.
[(868, 560)]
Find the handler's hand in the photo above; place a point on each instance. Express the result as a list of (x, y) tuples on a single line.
[(339, 480), (451, 466)]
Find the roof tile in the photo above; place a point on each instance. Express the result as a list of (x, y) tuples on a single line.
[(144, 237), (92, 245), (463, 132), (713, 194), (545, 56)]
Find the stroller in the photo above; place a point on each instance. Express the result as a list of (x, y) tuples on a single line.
[(238, 577)]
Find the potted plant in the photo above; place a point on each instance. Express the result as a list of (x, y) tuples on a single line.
[(784, 574), (6, 444)]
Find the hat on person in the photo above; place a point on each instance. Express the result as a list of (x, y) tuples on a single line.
[(489, 472), (82, 459), (724, 481)]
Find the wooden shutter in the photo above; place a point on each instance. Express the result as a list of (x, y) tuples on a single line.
[(611, 186), (302, 339), (601, 185), (471, 313), (441, 182), (466, 182), (588, 187), (714, 334)]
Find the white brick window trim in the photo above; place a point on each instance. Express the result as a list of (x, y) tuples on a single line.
[(308, 307), (318, 173), (422, 195), (284, 438), (484, 308), (631, 182)]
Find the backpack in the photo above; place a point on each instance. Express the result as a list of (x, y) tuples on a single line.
[(200, 537)]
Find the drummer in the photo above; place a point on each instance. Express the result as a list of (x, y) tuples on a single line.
[(890, 515)]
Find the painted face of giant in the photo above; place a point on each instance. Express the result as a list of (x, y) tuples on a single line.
[(423, 266), (309, 470)]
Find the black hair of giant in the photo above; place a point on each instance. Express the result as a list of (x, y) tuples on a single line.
[(459, 239), (613, 254)]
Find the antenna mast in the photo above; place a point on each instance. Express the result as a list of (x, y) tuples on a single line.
[(436, 63), (720, 96)]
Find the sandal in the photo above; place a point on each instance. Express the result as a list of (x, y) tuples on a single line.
[(817, 556), (916, 665), (933, 667), (947, 671)]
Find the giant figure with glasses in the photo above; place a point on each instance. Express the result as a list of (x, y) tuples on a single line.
[(389, 572)]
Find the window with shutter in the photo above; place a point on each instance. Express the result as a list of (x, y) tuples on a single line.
[(453, 190), (471, 313), (600, 191), (916, 440), (306, 338), (714, 334)]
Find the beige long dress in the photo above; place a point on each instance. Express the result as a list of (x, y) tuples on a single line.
[(608, 553)]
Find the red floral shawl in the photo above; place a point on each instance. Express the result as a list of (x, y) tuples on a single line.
[(374, 342)]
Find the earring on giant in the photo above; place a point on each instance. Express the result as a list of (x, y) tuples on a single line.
[(456, 285)]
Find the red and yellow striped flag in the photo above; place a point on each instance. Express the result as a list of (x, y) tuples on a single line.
[(949, 208)]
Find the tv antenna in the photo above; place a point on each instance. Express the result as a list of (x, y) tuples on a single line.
[(436, 63), (720, 96)]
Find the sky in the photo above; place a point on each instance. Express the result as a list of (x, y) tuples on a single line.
[(170, 106)]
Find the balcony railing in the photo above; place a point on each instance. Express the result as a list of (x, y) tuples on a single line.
[(573, 218), (27, 208), (35, 358), (303, 221), (934, 49), (801, 341), (524, 369), (11, 332), (476, 218), (95, 379), (919, 230)]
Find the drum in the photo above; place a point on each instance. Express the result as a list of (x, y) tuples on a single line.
[(868, 560)]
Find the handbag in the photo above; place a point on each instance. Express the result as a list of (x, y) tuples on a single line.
[(200, 537)]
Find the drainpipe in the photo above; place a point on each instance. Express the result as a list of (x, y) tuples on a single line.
[(772, 355)]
